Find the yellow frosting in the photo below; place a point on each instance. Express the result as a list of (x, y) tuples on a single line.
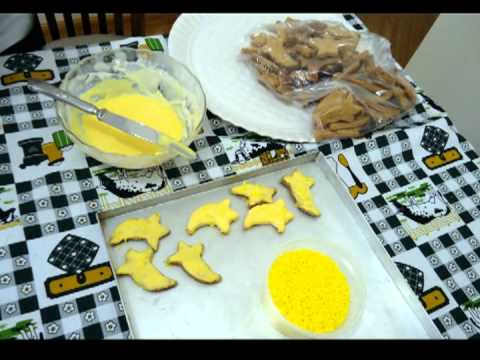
[(139, 267), (120, 96), (189, 257), (148, 229), (275, 214), (309, 290), (255, 193), (215, 214), (299, 186)]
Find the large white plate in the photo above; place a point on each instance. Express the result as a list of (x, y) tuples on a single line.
[(209, 44)]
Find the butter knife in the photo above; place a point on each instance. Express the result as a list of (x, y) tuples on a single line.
[(119, 122)]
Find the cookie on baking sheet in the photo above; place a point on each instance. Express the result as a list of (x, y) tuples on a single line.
[(275, 214), (299, 186), (148, 229), (189, 257), (220, 215), (255, 193), (138, 265)]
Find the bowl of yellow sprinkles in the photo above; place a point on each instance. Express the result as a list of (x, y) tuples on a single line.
[(314, 289)]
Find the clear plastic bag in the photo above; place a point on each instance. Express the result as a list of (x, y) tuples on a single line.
[(350, 79)]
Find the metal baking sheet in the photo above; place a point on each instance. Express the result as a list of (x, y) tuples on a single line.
[(232, 308)]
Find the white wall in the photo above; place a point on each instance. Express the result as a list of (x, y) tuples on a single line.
[(447, 67)]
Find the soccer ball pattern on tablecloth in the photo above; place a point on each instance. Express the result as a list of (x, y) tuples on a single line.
[(389, 162), (57, 202), (455, 259), (17, 288), (22, 109), (85, 317), (460, 186)]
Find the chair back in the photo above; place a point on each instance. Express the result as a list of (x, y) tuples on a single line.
[(137, 24)]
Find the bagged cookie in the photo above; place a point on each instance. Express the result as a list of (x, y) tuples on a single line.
[(316, 65), (291, 56)]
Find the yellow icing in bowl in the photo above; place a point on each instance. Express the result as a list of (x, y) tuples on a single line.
[(148, 87), (119, 97), (309, 290)]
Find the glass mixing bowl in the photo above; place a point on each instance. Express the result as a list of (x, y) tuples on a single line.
[(116, 64)]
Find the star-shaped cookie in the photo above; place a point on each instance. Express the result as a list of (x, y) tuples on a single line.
[(139, 267)]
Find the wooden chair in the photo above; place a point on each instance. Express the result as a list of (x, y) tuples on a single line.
[(49, 34), (137, 28)]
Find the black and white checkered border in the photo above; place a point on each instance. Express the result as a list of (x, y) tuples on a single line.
[(57, 202), (66, 57), (13, 251), (389, 162), (455, 258), (212, 163), (386, 225), (95, 316), (14, 265), (415, 279), (22, 109), (18, 307), (460, 186), (467, 147), (219, 127), (6, 175), (455, 324), (16, 278)]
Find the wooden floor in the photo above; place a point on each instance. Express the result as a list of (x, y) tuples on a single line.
[(405, 31)]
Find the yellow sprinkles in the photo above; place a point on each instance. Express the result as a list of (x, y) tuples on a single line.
[(309, 290)]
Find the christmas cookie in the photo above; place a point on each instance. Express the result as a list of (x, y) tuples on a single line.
[(275, 214), (189, 257), (148, 229), (299, 186), (215, 214), (139, 267), (255, 193)]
